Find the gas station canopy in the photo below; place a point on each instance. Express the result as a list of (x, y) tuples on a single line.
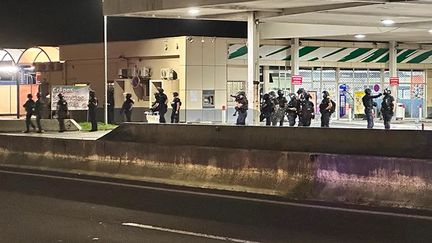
[(370, 20)]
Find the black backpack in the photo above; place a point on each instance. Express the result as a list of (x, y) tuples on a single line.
[(333, 108)]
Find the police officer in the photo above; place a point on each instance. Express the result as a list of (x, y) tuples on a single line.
[(62, 111), (281, 103), (38, 110), (267, 109), (326, 108), (387, 108), (127, 107), (175, 104), (273, 98), (29, 108), (292, 108), (162, 101), (306, 112), (369, 104), (241, 108), (92, 105)]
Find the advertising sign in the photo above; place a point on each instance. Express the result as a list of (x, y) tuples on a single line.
[(296, 80), (76, 96), (358, 103), (394, 81)]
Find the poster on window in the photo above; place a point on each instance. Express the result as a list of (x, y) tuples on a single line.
[(358, 102), (76, 96), (208, 99)]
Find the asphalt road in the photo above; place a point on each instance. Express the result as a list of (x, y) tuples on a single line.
[(36, 208)]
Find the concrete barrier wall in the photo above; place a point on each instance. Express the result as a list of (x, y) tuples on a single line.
[(393, 143), (47, 125), (354, 179)]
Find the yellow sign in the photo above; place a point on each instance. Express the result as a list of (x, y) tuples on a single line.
[(358, 103)]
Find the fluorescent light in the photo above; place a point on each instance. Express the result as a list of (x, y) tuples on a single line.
[(194, 11), (430, 31), (387, 22), (360, 36)]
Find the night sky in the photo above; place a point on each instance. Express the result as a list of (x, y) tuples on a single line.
[(26, 23)]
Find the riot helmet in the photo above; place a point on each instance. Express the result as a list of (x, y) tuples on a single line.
[(272, 94), (280, 92), (387, 91), (301, 91), (266, 97), (175, 94), (29, 96), (128, 95), (325, 94), (368, 91)]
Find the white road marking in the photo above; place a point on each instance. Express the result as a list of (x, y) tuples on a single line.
[(292, 204), (182, 232)]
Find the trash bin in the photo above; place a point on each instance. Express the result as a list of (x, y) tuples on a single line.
[(400, 111)]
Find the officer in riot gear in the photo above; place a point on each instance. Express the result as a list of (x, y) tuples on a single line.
[(292, 108), (29, 108), (62, 112), (241, 107), (280, 108), (387, 108), (273, 97), (267, 109), (326, 109), (306, 111), (369, 104)]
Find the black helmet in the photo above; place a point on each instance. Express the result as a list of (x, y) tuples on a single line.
[(325, 94), (301, 91), (280, 92), (161, 90), (272, 93), (60, 95), (368, 91), (128, 95), (29, 96), (387, 91), (241, 93), (175, 94), (266, 96)]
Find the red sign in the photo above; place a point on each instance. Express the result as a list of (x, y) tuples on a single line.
[(296, 80), (394, 81)]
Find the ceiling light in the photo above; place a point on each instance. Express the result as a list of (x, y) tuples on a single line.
[(430, 31), (360, 36), (387, 22), (194, 11)]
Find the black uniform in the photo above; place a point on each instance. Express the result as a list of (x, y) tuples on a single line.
[(38, 110), (387, 110), (175, 104), (267, 109), (29, 107), (292, 108), (62, 110), (368, 103), (127, 109), (241, 108), (281, 105), (92, 105), (306, 112), (325, 112), (162, 99)]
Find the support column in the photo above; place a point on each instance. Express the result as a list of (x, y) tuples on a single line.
[(105, 70), (393, 66), (253, 68), (295, 59)]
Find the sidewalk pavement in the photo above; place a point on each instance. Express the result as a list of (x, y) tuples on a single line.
[(81, 135)]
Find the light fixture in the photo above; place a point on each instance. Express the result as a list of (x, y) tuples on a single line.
[(194, 11), (430, 31), (387, 22), (360, 36)]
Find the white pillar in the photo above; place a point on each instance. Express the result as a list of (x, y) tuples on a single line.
[(393, 65), (295, 60), (253, 66), (106, 69)]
